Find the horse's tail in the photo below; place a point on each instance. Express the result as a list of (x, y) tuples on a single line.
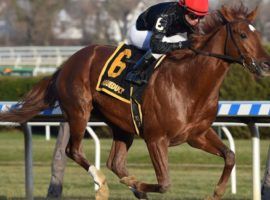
[(42, 96)]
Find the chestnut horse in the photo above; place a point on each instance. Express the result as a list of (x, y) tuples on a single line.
[(179, 104)]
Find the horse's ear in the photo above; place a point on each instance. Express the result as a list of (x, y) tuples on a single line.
[(226, 15), (251, 16)]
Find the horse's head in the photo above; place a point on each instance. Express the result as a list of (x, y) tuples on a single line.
[(243, 41)]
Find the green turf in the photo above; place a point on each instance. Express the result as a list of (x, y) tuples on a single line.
[(193, 173)]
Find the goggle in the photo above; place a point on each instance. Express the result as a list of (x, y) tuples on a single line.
[(192, 16)]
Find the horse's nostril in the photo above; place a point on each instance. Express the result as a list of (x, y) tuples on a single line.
[(266, 65)]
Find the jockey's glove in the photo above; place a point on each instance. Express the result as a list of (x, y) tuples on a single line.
[(184, 44)]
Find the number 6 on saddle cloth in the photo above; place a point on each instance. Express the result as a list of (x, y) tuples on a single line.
[(112, 79)]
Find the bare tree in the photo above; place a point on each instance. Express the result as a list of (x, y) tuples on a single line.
[(120, 16), (32, 20)]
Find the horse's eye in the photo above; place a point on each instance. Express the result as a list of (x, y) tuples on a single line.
[(243, 35)]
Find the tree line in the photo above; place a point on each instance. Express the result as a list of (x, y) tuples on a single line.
[(38, 22)]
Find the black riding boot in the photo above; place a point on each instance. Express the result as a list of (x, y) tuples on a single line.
[(136, 75)]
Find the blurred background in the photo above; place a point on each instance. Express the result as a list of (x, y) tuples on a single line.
[(83, 22), (36, 36)]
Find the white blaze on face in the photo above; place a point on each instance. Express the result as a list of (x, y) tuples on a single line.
[(252, 28)]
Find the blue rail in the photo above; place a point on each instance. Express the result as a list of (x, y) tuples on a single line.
[(244, 108), (225, 109)]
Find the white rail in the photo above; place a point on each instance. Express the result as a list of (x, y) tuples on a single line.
[(38, 51), (37, 59)]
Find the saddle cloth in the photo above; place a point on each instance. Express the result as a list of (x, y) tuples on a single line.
[(112, 79)]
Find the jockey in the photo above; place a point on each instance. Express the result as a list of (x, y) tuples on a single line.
[(155, 27)]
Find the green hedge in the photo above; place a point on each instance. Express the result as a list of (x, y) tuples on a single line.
[(13, 88), (242, 85)]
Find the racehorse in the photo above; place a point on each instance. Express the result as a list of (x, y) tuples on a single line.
[(179, 103)]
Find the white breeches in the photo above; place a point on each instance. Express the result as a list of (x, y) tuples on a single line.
[(141, 39)]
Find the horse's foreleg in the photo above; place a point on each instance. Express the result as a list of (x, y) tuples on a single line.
[(211, 143), (120, 146), (117, 158), (158, 150)]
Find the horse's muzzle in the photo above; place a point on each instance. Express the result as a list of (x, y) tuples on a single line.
[(260, 68), (265, 68)]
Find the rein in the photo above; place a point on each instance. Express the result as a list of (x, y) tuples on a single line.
[(226, 57)]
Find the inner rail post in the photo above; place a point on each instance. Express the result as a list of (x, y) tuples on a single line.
[(29, 185), (256, 161)]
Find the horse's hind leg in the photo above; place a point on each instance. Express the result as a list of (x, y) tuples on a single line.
[(78, 116), (74, 151), (211, 143), (120, 146)]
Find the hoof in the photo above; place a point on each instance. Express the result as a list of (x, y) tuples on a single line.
[(103, 192), (138, 194), (131, 182), (101, 178)]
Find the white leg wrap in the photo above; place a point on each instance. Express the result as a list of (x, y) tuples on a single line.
[(93, 172)]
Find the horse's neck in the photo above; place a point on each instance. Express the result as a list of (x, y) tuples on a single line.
[(204, 73), (214, 68)]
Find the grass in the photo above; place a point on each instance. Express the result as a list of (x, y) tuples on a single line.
[(193, 173)]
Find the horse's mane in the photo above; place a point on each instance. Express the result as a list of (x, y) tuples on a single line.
[(214, 21), (209, 26)]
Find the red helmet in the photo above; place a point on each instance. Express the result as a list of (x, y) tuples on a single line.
[(198, 7)]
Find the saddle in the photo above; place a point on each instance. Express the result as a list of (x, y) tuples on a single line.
[(112, 80)]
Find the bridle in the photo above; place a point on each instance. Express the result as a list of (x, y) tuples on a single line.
[(241, 59)]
